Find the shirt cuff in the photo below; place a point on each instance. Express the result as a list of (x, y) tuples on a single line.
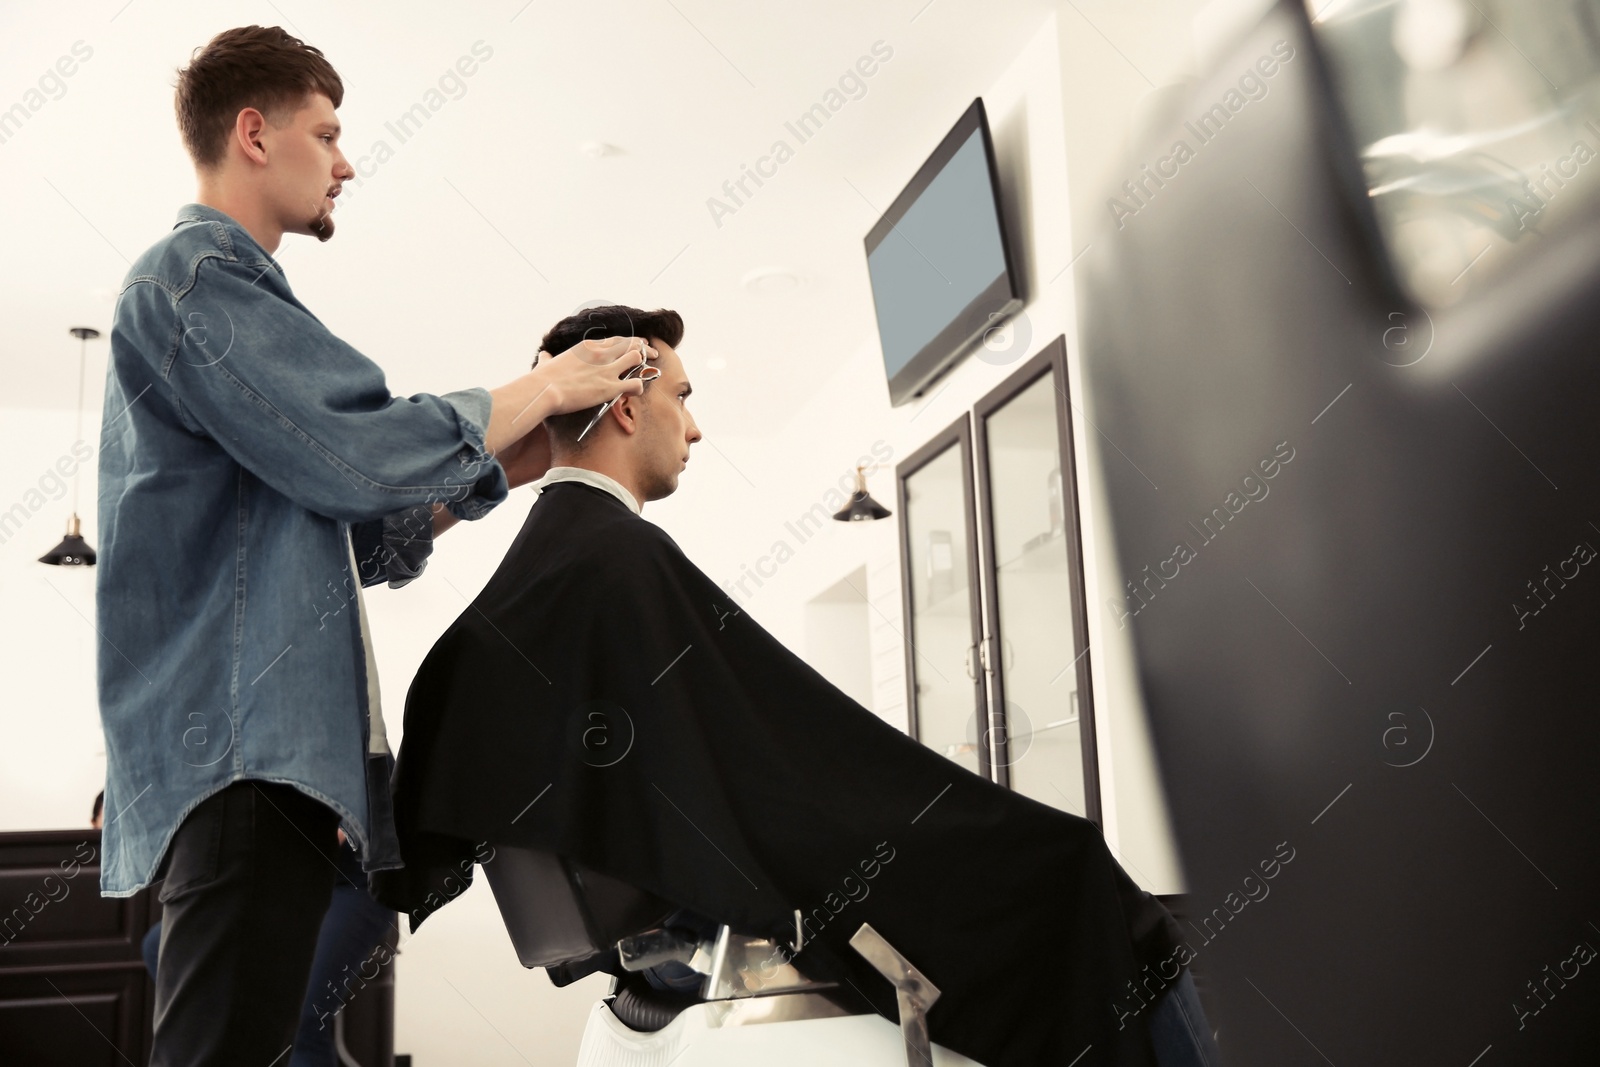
[(484, 484), (408, 540), (395, 548)]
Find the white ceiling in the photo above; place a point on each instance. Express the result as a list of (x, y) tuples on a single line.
[(489, 223)]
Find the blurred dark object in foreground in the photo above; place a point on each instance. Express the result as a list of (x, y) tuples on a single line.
[(1364, 598)]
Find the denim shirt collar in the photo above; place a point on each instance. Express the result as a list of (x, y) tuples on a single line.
[(231, 232)]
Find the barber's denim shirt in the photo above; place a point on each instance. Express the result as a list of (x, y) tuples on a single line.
[(245, 451)]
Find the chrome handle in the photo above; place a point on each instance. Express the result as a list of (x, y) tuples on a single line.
[(915, 994)]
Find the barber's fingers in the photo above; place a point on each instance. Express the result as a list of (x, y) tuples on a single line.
[(635, 353), (604, 350), (596, 376)]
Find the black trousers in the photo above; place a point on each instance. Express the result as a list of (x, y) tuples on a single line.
[(248, 878)]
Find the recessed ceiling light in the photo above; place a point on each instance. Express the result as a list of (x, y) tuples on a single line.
[(772, 281), (598, 149)]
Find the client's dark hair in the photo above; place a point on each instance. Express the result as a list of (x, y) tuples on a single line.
[(589, 324)]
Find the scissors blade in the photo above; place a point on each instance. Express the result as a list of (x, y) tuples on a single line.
[(597, 417)]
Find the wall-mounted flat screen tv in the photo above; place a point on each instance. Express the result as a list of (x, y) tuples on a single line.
[(941, 267)]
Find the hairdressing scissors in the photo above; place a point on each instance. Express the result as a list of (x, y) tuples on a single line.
[(644, 372)]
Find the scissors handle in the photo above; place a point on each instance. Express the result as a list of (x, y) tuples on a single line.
[(640, 371)]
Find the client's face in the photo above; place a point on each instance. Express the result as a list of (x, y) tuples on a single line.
[(666, 429)]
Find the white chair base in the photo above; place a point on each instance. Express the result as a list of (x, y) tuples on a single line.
[(786, 1030)]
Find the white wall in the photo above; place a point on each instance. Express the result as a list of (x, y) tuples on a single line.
[(52, 755), (838, 636)]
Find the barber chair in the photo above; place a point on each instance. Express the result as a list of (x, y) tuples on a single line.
[(751, 1005)]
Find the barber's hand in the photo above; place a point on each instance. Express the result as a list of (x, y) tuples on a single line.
[(527, 458), (590, 372)]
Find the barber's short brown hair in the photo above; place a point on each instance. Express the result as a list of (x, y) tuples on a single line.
[(592, 324), (262, 67)]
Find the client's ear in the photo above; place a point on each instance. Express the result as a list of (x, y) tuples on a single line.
[(627, 412)]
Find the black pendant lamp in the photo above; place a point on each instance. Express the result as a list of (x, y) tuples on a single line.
[(862, 507), (74, 551)]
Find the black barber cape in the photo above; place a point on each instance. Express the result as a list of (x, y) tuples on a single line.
[(603, 699)]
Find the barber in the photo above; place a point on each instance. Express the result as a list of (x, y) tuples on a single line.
[(255, 473)]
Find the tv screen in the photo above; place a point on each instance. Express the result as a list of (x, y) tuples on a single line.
[(939, 261)]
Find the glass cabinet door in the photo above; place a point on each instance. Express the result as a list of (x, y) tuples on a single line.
[(1036, 655), (939, 580)]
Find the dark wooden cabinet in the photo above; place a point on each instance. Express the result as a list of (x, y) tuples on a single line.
[(73, 987)]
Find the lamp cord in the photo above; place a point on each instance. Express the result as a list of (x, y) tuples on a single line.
[(83, 356)]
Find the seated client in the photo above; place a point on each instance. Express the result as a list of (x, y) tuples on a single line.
[(605, 701)]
